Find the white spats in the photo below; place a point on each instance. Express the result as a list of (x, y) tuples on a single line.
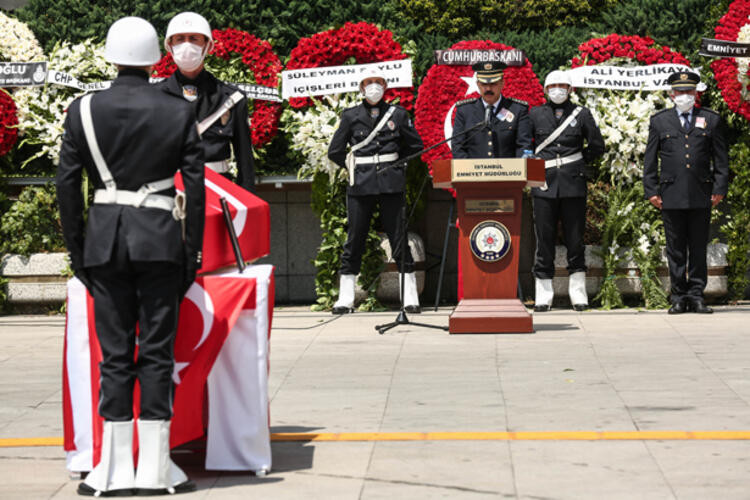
[(345, 302), (577, 289), (544, 293), (115, 468), (156, 471)]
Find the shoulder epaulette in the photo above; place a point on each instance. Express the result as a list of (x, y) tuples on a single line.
[(467, 101), (519, 101), (663, 111), (709, 110)]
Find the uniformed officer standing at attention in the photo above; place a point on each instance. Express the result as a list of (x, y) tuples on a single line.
[(685, 174), (560, 130), (379, 133), (221, 109), (508, 133), (135, 256)]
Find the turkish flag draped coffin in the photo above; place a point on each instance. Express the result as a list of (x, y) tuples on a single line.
[(251, 219), (221, 348)]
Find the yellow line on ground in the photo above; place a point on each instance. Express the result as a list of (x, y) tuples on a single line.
[(461, 436)]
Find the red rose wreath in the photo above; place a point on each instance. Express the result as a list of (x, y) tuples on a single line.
[(8, 122), (726, 69), (265, 66), (638, 48), (444, 85), (363, 42)]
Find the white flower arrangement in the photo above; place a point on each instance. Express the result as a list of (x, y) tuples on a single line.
[(623, 117), (311, 131), (41, 110), (743, 63), (17, 42)]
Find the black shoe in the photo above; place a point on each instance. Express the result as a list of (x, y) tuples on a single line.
[(700, 307), (342, 310), (87, 491), (185, 487), (413, 309), (580, 307), (542, 308), (677, 307)]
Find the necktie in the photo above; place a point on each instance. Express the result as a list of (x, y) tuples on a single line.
[(686, 120)]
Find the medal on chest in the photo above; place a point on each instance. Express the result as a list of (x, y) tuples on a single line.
[(190, 92), (505, 115)]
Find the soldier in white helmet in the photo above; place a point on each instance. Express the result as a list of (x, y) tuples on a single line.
[(189, 39), (568, 139), (134, 255), (373, 181)]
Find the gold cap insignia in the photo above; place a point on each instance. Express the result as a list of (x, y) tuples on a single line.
[(488, 66), (684, 76)]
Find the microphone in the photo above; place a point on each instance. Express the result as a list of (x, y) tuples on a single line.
[(487, 115)]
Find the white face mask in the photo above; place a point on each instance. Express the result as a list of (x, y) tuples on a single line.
[(187, 56), (557, 95), (684, 102), (374, 93)]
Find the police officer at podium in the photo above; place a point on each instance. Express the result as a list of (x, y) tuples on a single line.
[(221, 108), (567, 138), (135, 256), (507, 133), (686, 174), (379, 134)]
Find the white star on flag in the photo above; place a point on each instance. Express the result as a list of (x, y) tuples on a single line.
[(471, 81), (178, 366)]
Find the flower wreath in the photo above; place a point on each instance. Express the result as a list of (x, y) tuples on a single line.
[(623, 116), (241, 55), (733, 74), (445, 85), (8, 123), (361, 42)]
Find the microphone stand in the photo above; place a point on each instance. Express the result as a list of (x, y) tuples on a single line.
[(402, 319)]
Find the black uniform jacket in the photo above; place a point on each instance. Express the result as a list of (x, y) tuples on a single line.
[(694, 162), (397, 136), (506, 137), (569, 180), (144, 136), (233, 130)]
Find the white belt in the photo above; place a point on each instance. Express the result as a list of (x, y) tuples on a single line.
[(559, 162), (370, 160), (134, 199), (219, 167)]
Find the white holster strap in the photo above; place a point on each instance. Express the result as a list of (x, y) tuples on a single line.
[(110, 195), (227, 105), (559, 130), (219, 167), (375, 159), (559, 162), (351, 160)]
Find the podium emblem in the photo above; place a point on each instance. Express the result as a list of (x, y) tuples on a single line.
[(490, 241)]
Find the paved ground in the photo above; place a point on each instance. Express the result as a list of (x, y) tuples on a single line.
[(594, 371)]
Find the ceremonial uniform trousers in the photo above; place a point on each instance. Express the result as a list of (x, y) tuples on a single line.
[(133, 258), (563, 198), (685, 166), (376, 182), (230, 133)]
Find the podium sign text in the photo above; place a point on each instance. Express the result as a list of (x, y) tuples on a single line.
[(490, 170)]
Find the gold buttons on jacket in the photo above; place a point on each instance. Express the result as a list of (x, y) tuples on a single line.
[(688, 165)]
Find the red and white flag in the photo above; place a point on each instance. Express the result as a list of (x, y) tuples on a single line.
[(221, 348)]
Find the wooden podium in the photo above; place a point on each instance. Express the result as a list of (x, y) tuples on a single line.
[(488, 197)]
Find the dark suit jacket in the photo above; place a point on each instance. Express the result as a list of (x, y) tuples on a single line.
[(504, 138), (569, 180), (216, 140), (694, 163), (398, 136), (144, 136)]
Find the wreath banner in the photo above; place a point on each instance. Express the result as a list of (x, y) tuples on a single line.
[(651, 77), (445, 85), (238, 55), (733, 73), (513, 57), (353, 43), (329, 80), (722, 48)]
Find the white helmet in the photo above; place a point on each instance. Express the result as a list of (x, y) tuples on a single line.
[(188, 22), (557, 76), (372, 72), (132, 41)]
